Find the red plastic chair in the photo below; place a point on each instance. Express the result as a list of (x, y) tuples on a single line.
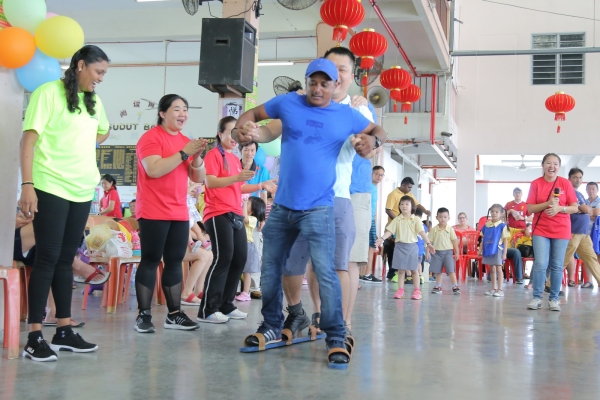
[(12, 309), (471, 239), (516, 237)]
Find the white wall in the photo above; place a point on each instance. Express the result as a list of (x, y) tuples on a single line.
[(498, 110)]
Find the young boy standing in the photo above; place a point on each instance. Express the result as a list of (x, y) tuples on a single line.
[(444, 241)]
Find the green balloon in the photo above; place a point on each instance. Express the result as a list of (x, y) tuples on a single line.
[(273, 148), (25, 14)]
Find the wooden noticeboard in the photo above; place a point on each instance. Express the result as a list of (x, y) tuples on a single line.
[(118, 161)]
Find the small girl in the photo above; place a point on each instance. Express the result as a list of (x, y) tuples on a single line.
[(192, 199), (254, 213), (494, 247), (110, 205), (406, 227)]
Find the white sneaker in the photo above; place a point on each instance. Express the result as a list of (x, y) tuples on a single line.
[(535, 304), (216, 318), (490, 292), (553, 305), (237, 314), (499, 293)]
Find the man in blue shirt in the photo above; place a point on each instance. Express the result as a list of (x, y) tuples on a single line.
[(313, 131), (580, 242)]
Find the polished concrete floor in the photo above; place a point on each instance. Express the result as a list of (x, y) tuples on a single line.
[(448, 347)]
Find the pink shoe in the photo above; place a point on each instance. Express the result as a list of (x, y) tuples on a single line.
[(416, 295), (399, 294), (243, 297)]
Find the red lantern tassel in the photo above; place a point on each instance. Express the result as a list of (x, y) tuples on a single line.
[(365, 79), (559, 117), (395, 107), (558, 129), (367, 62), (405, 119), (339, 33), (406, 107)]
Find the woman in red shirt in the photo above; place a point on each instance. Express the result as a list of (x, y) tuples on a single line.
[(551, 198), (110, 205), (224, 222), (166, 158)]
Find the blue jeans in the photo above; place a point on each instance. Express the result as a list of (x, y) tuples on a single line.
[(515, 255), (279, 234), (549, 254)]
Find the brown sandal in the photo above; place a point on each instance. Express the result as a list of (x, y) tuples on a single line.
[(571, 284)]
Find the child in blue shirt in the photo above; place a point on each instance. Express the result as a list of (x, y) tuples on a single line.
[(494, 247)]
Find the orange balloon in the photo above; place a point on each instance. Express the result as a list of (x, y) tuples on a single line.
[(17, 47)]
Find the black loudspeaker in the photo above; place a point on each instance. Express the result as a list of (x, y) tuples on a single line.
[(227, 52)]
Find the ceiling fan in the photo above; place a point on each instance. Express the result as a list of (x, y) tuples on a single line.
[(524, 167)]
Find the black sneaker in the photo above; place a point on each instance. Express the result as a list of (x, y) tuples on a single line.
[(295, 323), (456, 290), (143, 323), (180, 321), (408, 280), (68, 340), (370, 279), (271, 336), (38, 350)]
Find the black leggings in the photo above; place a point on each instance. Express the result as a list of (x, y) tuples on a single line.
[(166, 240), (230, 248), (58, 228)]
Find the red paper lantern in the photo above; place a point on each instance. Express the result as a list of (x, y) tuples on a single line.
[(560, 104), (368, 44), (408, 96), (395, 80), (342, 14)]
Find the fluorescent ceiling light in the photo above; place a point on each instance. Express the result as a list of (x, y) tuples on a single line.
[(595, 162), (64, 67), (274, 63)]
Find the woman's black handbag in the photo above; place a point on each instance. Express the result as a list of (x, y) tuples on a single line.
[(237, 221), (526, 250)]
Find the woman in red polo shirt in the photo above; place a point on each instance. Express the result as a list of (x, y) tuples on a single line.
[(166, 158), (551, 198), (224, 221), (110, 205)]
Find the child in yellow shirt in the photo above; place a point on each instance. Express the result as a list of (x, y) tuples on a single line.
[(445, 241)]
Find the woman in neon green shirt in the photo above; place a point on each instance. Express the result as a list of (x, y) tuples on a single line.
[(64, 121)]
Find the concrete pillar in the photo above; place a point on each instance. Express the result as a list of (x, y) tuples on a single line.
[(465, 184), (11, 112), (324, 39)]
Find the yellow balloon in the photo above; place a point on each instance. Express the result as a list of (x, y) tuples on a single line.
[(59, 37)]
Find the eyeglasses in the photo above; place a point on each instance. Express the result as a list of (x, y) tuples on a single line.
[(380, 175)]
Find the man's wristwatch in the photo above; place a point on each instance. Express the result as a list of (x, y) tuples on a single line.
[(565, 210), (377, 143), (184, 155)]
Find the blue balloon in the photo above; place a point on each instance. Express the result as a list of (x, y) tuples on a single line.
[(260, 157), (41, 69)]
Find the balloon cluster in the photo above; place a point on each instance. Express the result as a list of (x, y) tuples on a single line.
[(267, 152), (32, 39)]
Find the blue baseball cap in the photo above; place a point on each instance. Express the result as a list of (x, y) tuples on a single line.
[(322, 65)]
